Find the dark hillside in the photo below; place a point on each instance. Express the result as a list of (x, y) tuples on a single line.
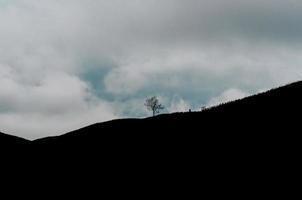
[(273, 113), (256, 138), (7, 141)]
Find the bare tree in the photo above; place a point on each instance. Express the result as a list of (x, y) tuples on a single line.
[(153, 105)]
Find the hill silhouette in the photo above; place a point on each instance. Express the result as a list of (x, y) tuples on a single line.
[(245, 141), (11, 141), (277, 109), (264, 114)]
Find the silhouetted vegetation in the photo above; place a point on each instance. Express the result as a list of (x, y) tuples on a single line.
[(153, 105)]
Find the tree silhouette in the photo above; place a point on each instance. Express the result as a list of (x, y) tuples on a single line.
[(153, 105)]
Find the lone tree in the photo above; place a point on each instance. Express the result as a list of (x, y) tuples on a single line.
[(153, 105)]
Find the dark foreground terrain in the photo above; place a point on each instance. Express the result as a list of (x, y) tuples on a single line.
[(255, 137)]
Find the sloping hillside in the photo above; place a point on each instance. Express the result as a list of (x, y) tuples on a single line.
[(241, 142), (260, 119), (254, 118), (11, 141)]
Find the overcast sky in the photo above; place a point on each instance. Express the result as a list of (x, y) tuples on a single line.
[(65, 64)]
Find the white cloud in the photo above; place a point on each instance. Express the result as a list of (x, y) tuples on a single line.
[(56, 104), (37, 125), (179, 105), (228, 95)]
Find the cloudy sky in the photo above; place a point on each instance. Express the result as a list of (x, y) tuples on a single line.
[(65, 64)]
